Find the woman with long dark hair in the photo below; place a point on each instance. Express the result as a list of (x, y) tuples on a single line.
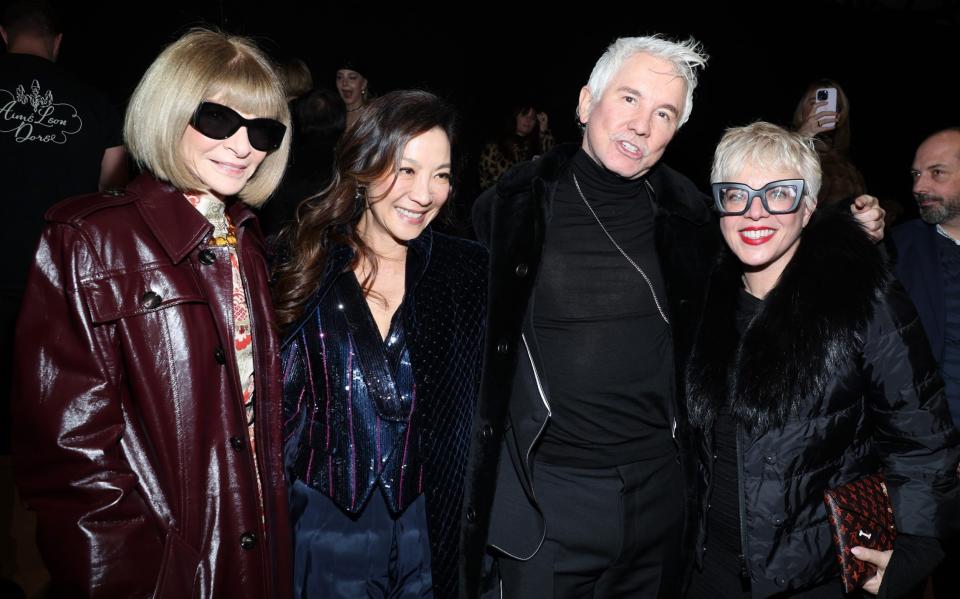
[(382, 323), (524, 135)]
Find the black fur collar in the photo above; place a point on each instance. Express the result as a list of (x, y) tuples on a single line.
[(810, 324)]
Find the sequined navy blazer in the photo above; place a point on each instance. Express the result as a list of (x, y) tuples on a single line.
[(443, 316)]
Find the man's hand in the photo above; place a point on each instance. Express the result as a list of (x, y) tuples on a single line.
[(866, 209)]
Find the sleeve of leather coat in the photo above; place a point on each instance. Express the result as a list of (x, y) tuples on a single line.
[(96, 533), (911, 422)]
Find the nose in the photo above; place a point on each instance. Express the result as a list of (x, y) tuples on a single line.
[(239, 143), (920, 183), (421, 192), (756, 209), (640, 123)]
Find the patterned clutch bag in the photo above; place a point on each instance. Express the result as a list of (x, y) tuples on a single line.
[(860, 514)]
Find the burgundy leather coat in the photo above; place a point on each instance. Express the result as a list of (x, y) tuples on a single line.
[(131, 442)]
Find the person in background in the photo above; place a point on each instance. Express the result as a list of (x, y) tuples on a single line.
[(353, 88), (59, 137), (146, 395), (383, 324), (927, 262), (523, 137), (295, 77), (319, 119), (830, 131), (791, 391)]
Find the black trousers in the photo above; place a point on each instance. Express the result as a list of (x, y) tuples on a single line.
[(611, 532)]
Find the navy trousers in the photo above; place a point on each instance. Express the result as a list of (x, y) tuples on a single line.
[(370, 554)]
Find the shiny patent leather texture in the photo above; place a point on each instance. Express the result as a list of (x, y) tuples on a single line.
[(131, 442), (331, 440), (860, 515)]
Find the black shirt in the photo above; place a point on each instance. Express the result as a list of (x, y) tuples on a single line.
[(607, 352), (53, 133)]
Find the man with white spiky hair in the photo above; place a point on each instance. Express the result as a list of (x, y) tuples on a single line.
[(598, 257)]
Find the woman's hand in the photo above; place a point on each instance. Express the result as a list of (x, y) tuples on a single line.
[(818, 122), (880, 559), (866, 209), (544, 122)]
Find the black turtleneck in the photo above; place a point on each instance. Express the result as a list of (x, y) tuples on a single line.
[(607, 353)]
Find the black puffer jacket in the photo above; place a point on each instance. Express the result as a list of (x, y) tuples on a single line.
[(830, 382)]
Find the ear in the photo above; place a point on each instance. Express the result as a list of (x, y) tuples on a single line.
[(56, 45), (584, 105), (808, 211)]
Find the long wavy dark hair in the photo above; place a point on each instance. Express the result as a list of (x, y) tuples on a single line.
[(370, 150)]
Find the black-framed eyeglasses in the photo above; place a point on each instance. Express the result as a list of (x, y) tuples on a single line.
[(777, 197), (220, 122)]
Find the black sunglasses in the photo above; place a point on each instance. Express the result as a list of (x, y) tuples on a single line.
[(777, 197), (220, 122)]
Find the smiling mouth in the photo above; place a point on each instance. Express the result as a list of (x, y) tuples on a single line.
[(756, 236), (632, 150), (410, 216), (230, 168)]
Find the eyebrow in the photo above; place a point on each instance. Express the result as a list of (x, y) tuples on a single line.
[(630, 90), (444, 165)]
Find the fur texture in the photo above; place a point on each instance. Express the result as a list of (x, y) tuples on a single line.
[(811, 323)]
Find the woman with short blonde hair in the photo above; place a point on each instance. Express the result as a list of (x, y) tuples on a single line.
[(147, 403)]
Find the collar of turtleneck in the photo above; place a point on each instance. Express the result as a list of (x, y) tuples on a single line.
[(599, 183)]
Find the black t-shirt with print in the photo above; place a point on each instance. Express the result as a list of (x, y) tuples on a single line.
[(53, 133)]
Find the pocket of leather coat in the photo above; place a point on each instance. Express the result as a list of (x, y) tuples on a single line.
[(128, 293), (179, 570)]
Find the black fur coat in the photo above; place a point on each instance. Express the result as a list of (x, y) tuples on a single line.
[(831, 381)]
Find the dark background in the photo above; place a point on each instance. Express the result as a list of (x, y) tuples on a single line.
[(896, 59)]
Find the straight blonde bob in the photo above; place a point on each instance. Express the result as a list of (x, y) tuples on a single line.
[(204, 65)]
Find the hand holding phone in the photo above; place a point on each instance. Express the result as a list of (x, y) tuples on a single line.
[(827, 98)]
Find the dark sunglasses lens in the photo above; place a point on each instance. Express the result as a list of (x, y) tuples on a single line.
[(266, 135), (215, 121)]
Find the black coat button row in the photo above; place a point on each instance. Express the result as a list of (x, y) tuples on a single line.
[(207, 256), (521, 270), (151, 300), (248, 540), (471, 515), (503, 347), (486, 432), (236, 443), (220, 356)]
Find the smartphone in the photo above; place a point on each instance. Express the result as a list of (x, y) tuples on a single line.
[(830, 95)]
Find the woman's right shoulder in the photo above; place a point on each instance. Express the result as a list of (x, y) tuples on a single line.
[(92, 209)]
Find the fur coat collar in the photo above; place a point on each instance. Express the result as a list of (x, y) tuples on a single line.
[(811, 323)]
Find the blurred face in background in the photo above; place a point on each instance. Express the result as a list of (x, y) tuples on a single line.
[(351, 85), (526, 121)]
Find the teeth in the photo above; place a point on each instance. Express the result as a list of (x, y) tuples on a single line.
[(410, 214), (757, 234), (629, 146)]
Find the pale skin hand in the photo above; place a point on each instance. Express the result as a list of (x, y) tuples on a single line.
[(866, 209), (880, 559), (542, 119), (818, 122)]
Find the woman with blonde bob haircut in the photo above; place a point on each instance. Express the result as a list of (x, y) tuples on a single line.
[(147, 382), (809, 370)]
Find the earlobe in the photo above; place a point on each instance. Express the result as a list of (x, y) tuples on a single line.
[(584, 104)]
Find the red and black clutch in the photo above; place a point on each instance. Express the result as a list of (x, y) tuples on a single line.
[(860, 514)]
